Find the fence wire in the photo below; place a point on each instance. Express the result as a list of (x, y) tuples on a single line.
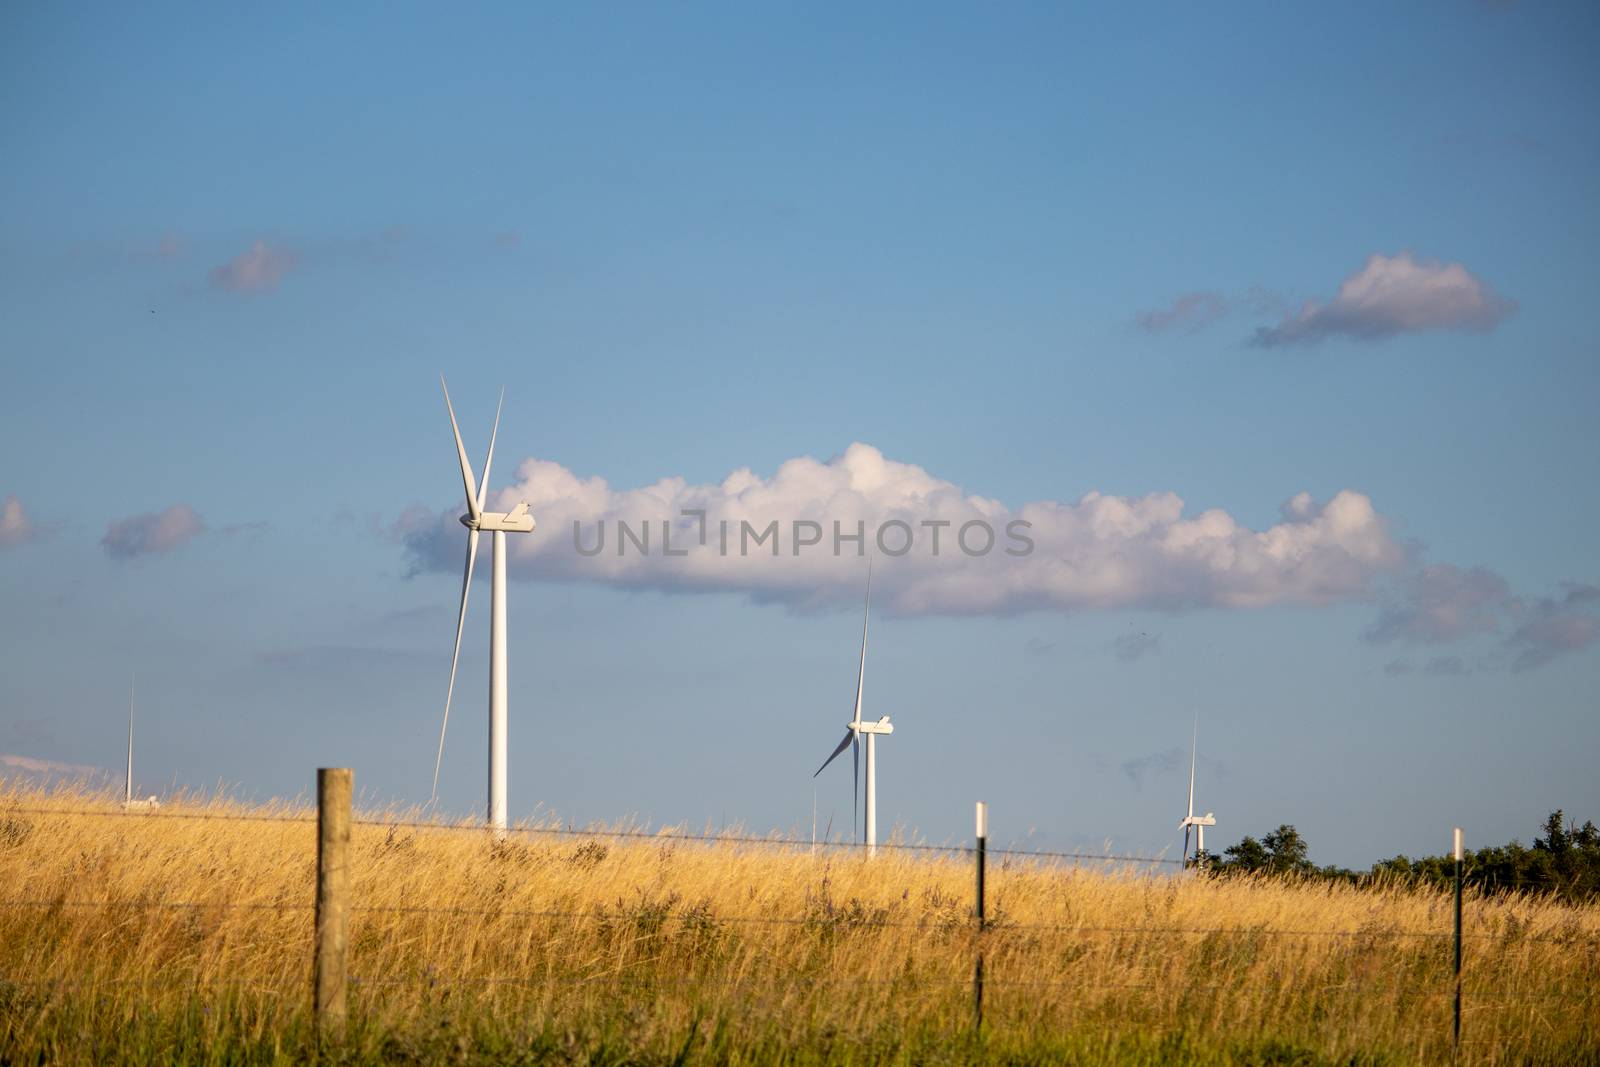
[(663, 835), (937, 983), (993, 930), (672, 835)]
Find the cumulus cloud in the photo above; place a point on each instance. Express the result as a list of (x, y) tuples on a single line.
[(153, 533), (780, 533), (1189, 312), (258, 269), (15, 526), (1394, 295), (1395, 668)]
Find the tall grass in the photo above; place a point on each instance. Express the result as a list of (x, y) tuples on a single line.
[(165, 938)]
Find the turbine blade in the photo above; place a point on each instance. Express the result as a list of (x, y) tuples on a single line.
[(1184, 859), (483, 486), (466, 585), (461, 454), (848, 734), (866, 612)]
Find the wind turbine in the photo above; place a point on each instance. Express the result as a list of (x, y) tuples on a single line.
[(853, 731), (1199, 822), (128, 803), (476, 520)]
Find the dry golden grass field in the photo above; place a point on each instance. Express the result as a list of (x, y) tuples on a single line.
[(186, 936)]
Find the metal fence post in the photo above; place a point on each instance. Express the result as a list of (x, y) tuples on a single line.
[(977, 970), (1455, 1037), (333, 897)]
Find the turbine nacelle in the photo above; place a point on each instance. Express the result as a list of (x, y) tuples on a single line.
[(882, 726), (516, 521), (1198, 820)]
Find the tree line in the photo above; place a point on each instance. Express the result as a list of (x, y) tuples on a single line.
[(1564, 861)]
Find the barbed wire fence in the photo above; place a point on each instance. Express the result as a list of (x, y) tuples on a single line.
[(668, 835), (662, 835), (986, 934)]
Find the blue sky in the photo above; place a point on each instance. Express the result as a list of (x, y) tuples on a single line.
[(1026, 253)]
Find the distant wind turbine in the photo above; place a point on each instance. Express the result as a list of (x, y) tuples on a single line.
[(1198, 822), (477, 520), (128, 803), (853, 731)]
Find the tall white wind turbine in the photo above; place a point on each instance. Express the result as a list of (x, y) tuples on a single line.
[(128, 803), (853, 732), (1198, 822), (476, 520)]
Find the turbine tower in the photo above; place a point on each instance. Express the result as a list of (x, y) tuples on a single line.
[(476, 520), (853, 732), (1199, 822), (127, 783)]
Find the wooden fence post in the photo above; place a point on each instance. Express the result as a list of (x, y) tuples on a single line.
[(333, 897)]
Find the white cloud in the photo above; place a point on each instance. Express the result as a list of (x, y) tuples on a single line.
[(1393, 295), (15, 526), (1100, 551), (156, 532), (258, 269)]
